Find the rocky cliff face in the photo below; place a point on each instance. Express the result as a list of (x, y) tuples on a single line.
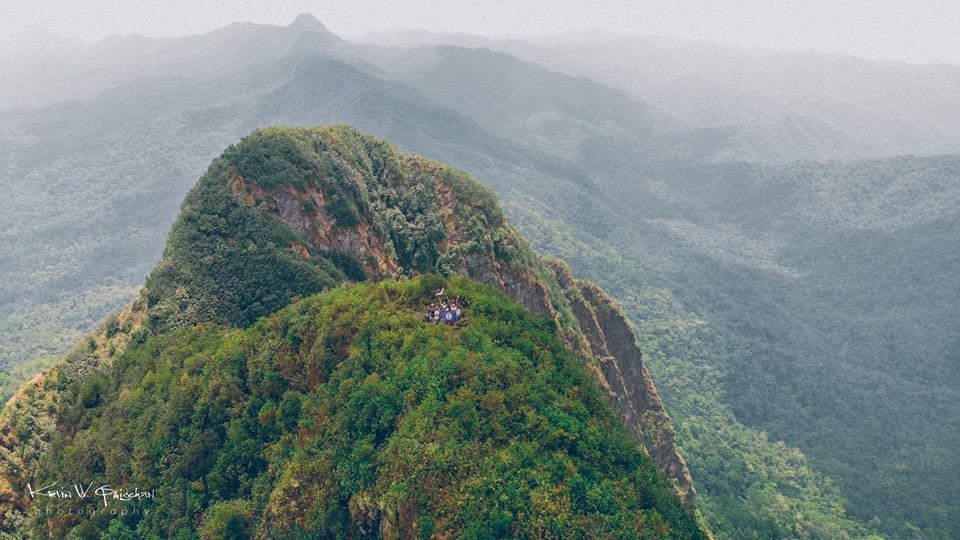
[(290, 212), (618, 366)]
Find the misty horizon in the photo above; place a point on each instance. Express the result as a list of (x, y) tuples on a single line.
[(890, 32)]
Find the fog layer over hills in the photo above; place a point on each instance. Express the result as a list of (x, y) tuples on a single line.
[(779, 105)]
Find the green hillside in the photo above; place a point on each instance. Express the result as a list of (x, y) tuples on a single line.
[(348, 414)]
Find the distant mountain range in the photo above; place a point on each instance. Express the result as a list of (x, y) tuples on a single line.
[(777, 106)]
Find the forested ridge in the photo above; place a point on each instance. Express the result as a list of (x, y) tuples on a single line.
[(349, 414), (237, 425)]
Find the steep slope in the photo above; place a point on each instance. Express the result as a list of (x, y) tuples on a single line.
[(287, 213), (83, 241), (348, 414)]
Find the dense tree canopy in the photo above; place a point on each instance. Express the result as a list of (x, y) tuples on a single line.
[(349, 414)]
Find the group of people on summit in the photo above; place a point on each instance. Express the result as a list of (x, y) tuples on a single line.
[(447, 311)]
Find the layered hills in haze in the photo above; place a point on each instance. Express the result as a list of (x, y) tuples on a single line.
[(797, 316), (775, 106)]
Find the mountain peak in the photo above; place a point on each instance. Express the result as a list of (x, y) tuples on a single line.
[(307, 22), (288, 213)]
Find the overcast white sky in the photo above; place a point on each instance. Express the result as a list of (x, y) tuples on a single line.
[(910, 30)]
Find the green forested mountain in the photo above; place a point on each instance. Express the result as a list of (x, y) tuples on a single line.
[(809, 302), (348, 413)]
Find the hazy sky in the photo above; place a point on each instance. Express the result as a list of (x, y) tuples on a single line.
[(910, 30)]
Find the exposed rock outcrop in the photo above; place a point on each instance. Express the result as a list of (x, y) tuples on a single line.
[(619, 368)]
